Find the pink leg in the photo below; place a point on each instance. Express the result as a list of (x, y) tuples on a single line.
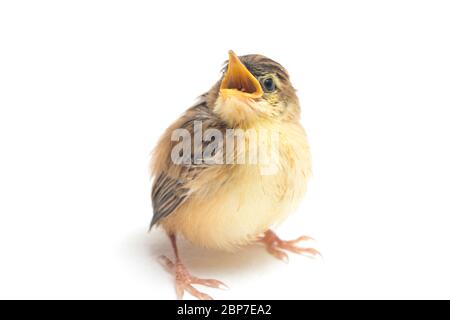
[(183, 279), (275, 246)]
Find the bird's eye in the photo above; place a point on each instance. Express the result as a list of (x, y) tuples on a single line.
[(269, 85)]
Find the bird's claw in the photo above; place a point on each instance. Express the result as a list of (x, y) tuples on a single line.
[(275, 246), (184, 280)]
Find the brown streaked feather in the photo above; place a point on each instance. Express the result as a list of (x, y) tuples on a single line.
[(167, 194), (171, 186)]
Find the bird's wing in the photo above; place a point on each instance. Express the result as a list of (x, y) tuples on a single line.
[(173, 184), (168, 193)]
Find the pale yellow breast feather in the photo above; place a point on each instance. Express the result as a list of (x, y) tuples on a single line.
[(232, 205)]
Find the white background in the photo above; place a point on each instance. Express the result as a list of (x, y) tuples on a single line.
[(87, 87)]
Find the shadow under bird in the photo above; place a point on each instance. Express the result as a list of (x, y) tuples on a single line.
[(225, 205)]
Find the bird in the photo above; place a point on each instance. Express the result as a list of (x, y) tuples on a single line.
[(211, 199)]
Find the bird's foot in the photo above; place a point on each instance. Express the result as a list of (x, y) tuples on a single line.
[(184, 280), (275, 246)]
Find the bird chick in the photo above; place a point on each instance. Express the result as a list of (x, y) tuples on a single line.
[(214, 185)]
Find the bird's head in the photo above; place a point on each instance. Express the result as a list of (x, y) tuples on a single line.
[(253, 89)]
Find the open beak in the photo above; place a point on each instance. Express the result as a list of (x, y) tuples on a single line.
[(238, 81)]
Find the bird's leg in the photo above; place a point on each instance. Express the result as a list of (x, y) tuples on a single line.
[(183, 279), (275, 246)]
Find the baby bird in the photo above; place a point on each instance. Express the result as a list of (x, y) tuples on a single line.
[(210, 184)]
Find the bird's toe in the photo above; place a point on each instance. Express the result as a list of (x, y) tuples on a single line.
[(275, 246)]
